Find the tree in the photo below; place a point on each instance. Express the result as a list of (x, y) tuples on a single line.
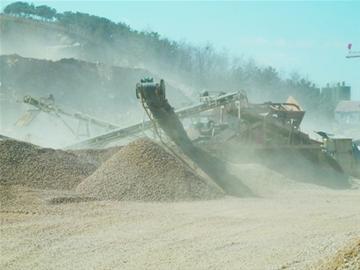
[(45, 12), (20, 8)]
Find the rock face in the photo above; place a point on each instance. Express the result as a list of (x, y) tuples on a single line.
[(26, 164), (144, 171)]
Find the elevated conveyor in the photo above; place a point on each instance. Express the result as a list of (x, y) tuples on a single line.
[(48, 106), (120, 133)]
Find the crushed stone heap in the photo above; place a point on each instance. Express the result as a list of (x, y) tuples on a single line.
[(23, 163), (143, 170)]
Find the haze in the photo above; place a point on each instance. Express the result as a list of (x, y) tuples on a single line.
[(272, 33)]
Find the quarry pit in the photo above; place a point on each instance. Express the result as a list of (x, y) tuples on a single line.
[(165, 220)]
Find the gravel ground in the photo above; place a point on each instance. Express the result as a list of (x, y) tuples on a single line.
[(143, 170), (285, 225), (348, 258), (287, 231)]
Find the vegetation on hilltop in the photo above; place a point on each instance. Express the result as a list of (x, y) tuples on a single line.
[(27, 10)]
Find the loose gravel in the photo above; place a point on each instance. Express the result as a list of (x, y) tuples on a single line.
[(25, 164), (144, 171), (345, 259)]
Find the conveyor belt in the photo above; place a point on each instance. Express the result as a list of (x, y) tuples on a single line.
[(48, 107), (120, 133)]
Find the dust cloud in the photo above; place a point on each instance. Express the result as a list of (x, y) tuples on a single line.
[(139, 206)]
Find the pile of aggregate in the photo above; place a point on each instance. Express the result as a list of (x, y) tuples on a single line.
[(144, 171), (69, 199), (26, 164)]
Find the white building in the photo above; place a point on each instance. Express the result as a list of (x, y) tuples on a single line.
[(348, 112)]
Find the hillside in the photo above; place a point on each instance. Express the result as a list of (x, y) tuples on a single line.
[(103, 91), (86, 37), (96, 39)]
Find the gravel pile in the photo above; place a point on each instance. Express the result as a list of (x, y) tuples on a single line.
[(69, 199), (26, 164), (144, 171), (267, 183)]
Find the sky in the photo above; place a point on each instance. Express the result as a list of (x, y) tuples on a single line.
[(310, 38)]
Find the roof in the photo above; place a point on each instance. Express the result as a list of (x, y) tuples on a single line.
[(292, 100), (348, 106)]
